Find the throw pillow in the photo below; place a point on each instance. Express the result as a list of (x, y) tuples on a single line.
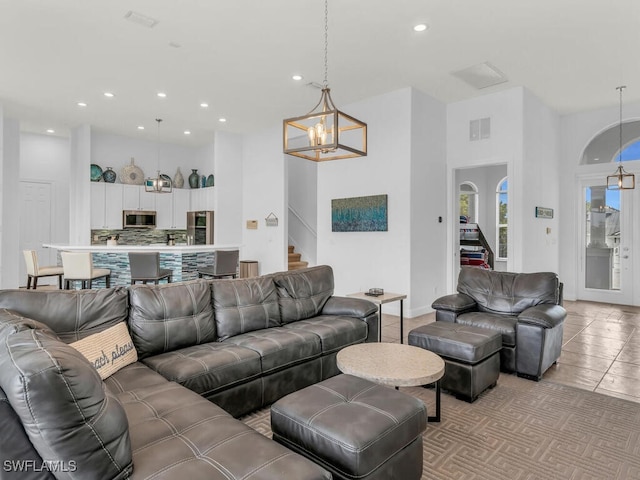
[(109, 350)]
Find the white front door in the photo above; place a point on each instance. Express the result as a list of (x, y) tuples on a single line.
[(606, 260), (35, 226)]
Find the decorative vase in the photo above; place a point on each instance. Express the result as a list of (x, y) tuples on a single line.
[(109, 175), (178, 179), (203, 181), (132, 174), (210, 181), (194, 178), (96, 173)]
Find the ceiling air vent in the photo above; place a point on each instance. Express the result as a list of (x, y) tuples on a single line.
[(480, 76), (140, 19)]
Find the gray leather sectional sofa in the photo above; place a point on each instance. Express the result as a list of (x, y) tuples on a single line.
[(207, 351)]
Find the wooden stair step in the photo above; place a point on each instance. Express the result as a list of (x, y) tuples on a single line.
[(294, 257), (297, 265), (291, 248)]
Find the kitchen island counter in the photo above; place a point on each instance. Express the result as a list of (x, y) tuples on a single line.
[(183, 260)]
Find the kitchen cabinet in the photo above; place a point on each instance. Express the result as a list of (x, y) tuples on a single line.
[(135, 198), (203, 199), (172, 209), (106, 206)]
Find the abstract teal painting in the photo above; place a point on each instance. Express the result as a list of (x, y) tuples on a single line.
[(359, 214)]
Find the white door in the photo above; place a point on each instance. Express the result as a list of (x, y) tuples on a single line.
[(35, 226), (605, 256)]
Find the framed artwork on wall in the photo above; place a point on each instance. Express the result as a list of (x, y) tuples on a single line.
[(359, 214)]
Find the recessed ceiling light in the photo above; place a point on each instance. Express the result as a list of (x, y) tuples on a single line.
[(222, 120), (162, 95), (421, 27), (187, 132), (297, 77), (140, 19), (109, 94), (204, 105), (140, 127), (50, 130), (175, 45), (82, 104)]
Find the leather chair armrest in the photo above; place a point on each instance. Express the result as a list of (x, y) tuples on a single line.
[(544, 315), (352, 307), (457, 303)]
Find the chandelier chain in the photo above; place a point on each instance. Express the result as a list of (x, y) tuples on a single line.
[(326, 42), (620, 88)]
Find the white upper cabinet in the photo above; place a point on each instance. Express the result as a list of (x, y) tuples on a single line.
[(172, 209), (135, 198), (106, 205)]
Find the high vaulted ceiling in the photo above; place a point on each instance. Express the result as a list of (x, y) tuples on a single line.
[(239, 56)]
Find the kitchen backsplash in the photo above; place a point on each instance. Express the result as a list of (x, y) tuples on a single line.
[(137, 236)]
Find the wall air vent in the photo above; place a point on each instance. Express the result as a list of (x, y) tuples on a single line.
[(140, 19), (479, 129), (480, 76)]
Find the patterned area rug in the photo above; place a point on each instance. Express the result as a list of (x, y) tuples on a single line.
[(523, 430)]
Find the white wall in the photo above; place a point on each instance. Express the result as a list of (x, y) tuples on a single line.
[(362, 260), (427, 262), (10, 255), (264, 191), (46, 158), (79, 187), (228, 187), (540, 186)]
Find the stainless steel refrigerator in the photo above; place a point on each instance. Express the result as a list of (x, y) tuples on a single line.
[(200, 227)]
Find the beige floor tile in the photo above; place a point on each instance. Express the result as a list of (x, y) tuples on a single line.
[(608, 343), (598, 364), (588, 349), (624, 369), (574, 376), (620, 384)]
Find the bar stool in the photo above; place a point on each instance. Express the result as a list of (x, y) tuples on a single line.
[(225, 264), (78, 266), (34, 271), (145, 267)]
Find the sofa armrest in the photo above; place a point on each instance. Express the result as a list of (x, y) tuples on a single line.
[(352, 307), (543, 315), (457, 303)]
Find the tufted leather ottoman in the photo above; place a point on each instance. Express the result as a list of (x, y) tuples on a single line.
[(471, 356), (354, 428)]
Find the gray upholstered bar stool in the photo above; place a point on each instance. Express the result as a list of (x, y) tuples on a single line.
[(34, 271), (225, 264), (78, 267), (145, 267)]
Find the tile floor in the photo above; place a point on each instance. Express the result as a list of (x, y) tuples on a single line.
[(600, 351)]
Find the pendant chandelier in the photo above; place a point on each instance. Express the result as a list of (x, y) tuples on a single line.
[(161, 183), (621, 180), (325, 133)]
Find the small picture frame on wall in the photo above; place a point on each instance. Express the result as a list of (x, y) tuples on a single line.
[(542, 212)]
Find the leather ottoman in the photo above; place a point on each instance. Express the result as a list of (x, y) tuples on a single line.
[(471, 356), (354, 428)]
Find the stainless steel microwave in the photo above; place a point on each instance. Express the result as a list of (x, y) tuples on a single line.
[(139, 219)]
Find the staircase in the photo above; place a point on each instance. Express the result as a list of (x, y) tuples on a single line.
[(294, 260)]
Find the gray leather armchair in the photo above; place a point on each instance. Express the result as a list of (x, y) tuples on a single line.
[(524, 307)]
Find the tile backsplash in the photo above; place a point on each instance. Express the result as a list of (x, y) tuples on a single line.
[(137, 236)]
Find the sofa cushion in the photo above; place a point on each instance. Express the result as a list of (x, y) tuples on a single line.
[(335, 332), (134, 376), (72, 314), (280, 347), (167, 317), (244, 305), (109, 350), (175, 433), (506, 292), (505, 324), (207, 368), (68, 414), (302, 293)]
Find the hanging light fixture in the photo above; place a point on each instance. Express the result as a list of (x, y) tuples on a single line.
[(325, 133), (161, 183), (621, 180)]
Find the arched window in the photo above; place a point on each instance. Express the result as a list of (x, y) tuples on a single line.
[(605, 147), (502, 217), (469, 201)]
